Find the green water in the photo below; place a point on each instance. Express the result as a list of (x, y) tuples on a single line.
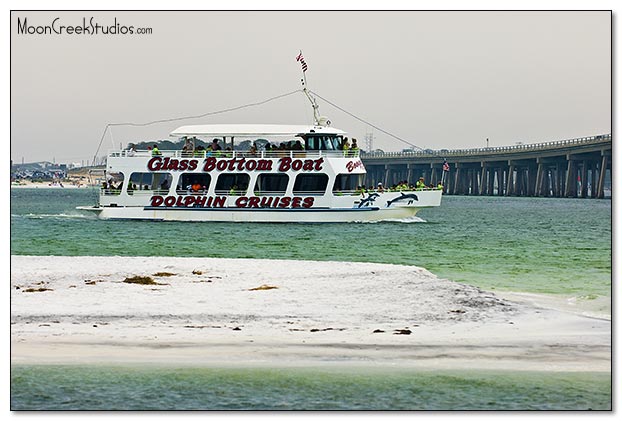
[(141, 388), (541, 245)]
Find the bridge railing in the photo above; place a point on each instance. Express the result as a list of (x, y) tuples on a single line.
[(494, 150)]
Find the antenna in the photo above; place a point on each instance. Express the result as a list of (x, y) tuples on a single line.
[(369, 141)]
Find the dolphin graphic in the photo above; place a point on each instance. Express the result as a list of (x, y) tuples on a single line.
[(403, 196), (370, 199)]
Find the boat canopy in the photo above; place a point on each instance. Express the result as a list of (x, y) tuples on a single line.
[(252, 130)]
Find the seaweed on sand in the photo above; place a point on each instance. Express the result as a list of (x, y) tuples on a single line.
[(37, 289), (141, 280), (263, 288)]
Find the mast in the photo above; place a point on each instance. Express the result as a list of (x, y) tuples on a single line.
[(316, 108)]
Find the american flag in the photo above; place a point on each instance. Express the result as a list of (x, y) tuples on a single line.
[(301, 59), (445, 166)]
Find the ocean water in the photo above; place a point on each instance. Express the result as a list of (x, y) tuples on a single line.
[(560, 247), (539, 245), (179, 388)]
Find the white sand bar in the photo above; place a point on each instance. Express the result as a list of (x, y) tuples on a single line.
[(79, 310)]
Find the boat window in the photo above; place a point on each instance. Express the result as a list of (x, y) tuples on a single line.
[(158, 181), (228, 182), (327, 142), (161, 183), (271, 184), (141, 180), (191, 183), (347, 182), (311, 144), (113, 184), (323, 142), (311, 184)]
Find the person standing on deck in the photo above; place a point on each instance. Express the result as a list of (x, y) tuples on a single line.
[(215, 146), (345, 146), (354, 150)]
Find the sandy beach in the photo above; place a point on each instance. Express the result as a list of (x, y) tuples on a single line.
[(244, 312)]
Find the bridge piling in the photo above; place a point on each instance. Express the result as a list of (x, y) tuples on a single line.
[(601, 179)]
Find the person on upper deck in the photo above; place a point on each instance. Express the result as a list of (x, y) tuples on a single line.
[(155, 151), (199, 151), (420, 184), (215, 146), (354, 149), (345, 146), (188, 148)]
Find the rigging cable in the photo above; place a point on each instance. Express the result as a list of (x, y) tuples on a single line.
[(370, 124), (167, 120)]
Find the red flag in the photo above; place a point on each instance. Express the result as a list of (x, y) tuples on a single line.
[(445, 166), (301, 59)]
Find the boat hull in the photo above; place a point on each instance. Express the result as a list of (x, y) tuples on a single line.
[(384, 211), (256, 215)]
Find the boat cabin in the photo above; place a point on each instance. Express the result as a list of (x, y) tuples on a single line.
[(303, 161)]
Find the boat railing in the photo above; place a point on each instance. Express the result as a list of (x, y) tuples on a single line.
[(131, 192), (145, 192), (235, 154), (242, 192), (309, 193), (190, 192), (269, 193)]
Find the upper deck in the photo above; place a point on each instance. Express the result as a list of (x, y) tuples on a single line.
[(312, 154), (267, 140)]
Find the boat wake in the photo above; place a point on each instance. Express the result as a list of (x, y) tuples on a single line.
[(409, 220), (54, 216)]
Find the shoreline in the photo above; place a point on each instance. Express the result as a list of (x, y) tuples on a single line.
[(48, 186), (225, 313)]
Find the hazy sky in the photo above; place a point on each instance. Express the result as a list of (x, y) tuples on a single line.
[(436, 79)]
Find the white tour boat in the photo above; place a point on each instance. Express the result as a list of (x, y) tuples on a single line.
[(312, 179), (315, 181)]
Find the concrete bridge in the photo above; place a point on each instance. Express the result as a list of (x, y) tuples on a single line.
[(566, 168)]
